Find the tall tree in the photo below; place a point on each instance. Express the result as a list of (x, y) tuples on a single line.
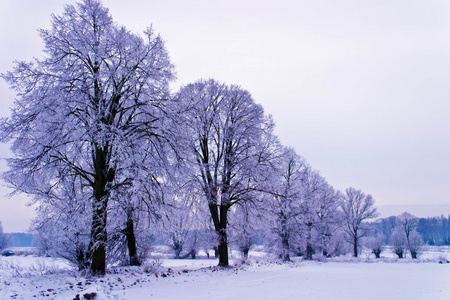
[(357, 208), (286, 193), (227, 132), (318, 213), (99, 91)]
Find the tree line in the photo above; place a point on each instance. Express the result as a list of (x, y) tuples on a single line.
[(111, 155), (433, 230)]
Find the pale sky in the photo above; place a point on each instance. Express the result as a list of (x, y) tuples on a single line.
[(359, 88)]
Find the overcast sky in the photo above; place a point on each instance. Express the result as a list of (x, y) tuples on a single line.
[(361, 89)]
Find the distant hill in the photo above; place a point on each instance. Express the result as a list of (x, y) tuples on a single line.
[(421, 211), (19, 239)]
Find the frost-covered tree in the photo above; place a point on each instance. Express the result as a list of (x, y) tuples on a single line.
[(318, 211), (185, 219), (376, 244), (357, 208), (407, 223), (415, 244), (99, 91), (139, 200), (62, 223), (227, 134), (283, 199), (246, 223), (398, 241), (179, 229)]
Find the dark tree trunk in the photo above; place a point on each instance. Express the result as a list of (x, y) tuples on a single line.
[(223, 238), (131, 241), (399, 253), (377, 253), (81, 261), (284, 240), (177, 247), (309, 248), (97, 245), (309, 251), (80, 255), (355, 246), (245, 252), (220, 226)]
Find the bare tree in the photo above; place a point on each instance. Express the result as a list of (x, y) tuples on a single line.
[(99, 91), (357, 207)]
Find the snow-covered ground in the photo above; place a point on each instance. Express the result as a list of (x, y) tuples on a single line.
[(258, 278)]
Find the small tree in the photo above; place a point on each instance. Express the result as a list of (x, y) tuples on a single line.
[(376, 244), (407, 224), (357, 207), (246, 221), (399, 242), (415, 244)]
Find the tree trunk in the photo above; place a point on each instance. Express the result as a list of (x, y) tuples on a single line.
[(223, 238), (377, 253), (97, 245), (177, 247), (220, 226), (245, 252), (131, 241), (284, 240), (355, 246), (309, 248), (81, 261), (80, 255)]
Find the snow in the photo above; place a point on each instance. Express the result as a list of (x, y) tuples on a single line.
[(258, 278), (312, 280)]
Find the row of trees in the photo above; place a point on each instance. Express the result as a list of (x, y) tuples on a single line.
[(434, 230), (400, 232), (107, 152)]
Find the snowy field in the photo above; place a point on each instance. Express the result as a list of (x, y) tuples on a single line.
[(258, 278)]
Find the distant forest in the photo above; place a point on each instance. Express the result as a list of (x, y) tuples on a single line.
[(19, 239), (435, 231)]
